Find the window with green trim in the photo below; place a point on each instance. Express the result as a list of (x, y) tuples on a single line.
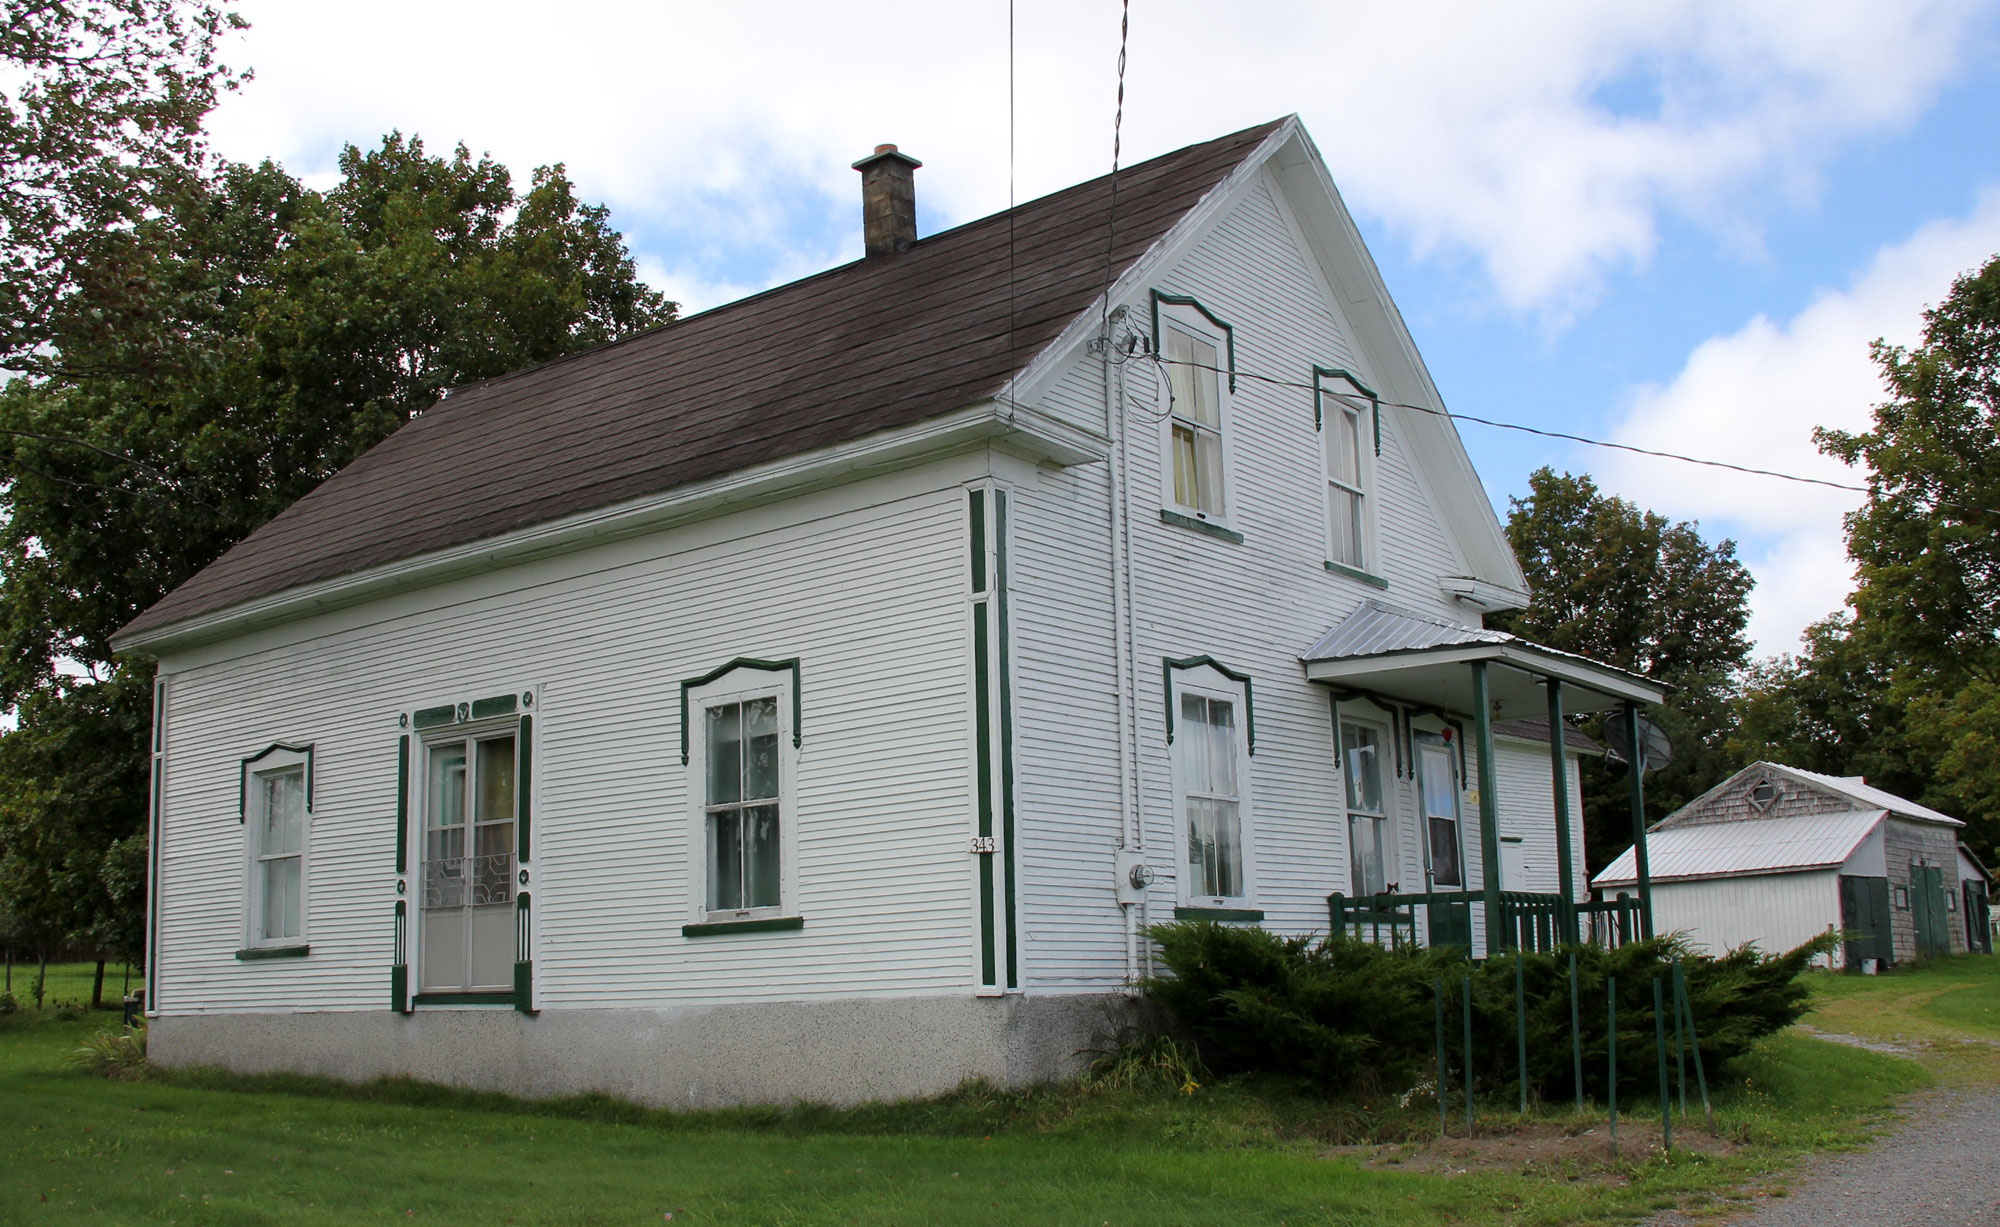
[(1368, 849), (1346, 495), (741, 773), (277, 828), (1211, 785), (1196, 414)]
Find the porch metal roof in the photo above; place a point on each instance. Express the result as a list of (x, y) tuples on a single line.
[(1419, 659), (1749, 846)]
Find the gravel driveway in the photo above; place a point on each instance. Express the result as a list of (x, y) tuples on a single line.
[(1939, 1168)]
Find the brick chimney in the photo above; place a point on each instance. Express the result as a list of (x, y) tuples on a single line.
[(888, 200)]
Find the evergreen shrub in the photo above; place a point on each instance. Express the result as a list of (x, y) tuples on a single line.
[(1344, 1014)]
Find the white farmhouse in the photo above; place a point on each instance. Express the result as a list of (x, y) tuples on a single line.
[(816, 698), (1776, 856)]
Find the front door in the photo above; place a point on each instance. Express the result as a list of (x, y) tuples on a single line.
[(1438, 798), (1927, 908), (467, 927)]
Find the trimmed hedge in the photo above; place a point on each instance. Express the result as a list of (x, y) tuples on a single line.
[(1341, 1013)]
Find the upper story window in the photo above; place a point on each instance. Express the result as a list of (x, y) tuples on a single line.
[(1344, 493), (277, 821), (1345, 428), (1195, 385), (743, 807)]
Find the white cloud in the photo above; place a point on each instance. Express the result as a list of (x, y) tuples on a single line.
[(722, 133), (1753, 397)]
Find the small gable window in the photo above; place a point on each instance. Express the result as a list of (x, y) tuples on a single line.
[(1195, 386), (1762, 794), (1344, 493)]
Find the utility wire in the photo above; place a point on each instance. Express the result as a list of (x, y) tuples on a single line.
[(1117, 135), (1356, 399), (1013, 285)]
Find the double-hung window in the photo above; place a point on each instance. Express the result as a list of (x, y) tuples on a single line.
[(470, 811), (1345, 495), (1211, 784), (1367, 821), (276, 818), (1194, 382), (741, 790)]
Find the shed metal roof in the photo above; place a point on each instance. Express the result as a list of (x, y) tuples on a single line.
[(1374, 629), (877, 344), (1751, 846)]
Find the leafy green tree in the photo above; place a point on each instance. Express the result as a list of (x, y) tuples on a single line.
[(217, 361), (1633, 589), (101, 107), (1926, 545)]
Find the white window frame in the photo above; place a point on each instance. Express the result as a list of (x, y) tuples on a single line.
[(1190, 322), (1382, 817), (279, 760), (741, 685), (1209, 682), (1425, 743), (1335, 395)]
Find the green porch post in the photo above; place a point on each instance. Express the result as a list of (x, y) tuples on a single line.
[(1639, 820), (1564, 856), (1489, 810)]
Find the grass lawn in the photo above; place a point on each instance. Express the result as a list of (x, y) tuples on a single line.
[(209, 1148)]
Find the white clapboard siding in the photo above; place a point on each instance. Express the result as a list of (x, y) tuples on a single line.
[(1527, 812), (1778, 911), (1252, 605), (867, 589)]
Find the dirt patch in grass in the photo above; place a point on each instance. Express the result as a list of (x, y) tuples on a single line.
[(1572, 1151)]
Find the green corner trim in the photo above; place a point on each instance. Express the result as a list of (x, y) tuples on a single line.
[(256, 953), (1200, 525), (1184, 300), (1218, 913), (243, 774), (744, 662), (1006, 740), (431, 717), (769, 924), (399, 988), (1167, 667), (1341, 568), (978, 504), (500, 998)]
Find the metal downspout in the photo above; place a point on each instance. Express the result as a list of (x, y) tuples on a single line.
[(1119, 516)]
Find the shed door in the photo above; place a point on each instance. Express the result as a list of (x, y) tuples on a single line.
[(1864, 913), (1978, 918), (1928, 910)]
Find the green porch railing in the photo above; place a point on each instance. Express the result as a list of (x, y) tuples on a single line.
[(1526, 920)]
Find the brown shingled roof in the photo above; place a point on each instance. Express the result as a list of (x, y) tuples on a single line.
[(869, 346)]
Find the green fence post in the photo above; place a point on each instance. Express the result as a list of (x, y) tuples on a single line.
[(1468, 1056), (1437, 987), (1660, 1056), (1694, 1042), (1575, 1033), (1611, 1050), (1521, 1022), (1680, 1050)]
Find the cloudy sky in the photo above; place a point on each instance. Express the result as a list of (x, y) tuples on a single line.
[(1677, 225)]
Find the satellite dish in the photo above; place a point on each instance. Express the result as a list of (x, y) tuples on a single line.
[(1656, 749)]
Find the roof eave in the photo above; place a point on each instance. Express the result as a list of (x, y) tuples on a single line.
[(1527, 657), (1021, 429)]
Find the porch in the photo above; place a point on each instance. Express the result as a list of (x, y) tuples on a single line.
[(1465, 680)]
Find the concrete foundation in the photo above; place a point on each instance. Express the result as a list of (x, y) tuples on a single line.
[(834, 1052)]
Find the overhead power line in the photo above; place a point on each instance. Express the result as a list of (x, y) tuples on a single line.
[(1354, 398)]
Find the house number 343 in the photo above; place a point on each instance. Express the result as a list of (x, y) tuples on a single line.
[(983, 845)]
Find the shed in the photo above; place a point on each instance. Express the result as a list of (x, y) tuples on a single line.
[(1777, 855)]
